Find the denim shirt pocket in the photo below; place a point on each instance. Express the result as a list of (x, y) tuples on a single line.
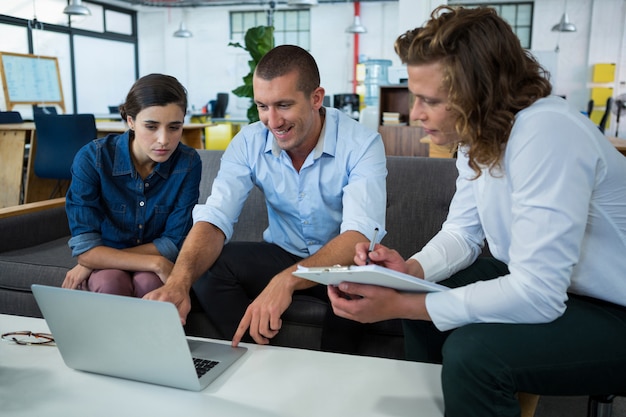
[(161, 213), (119, 220)]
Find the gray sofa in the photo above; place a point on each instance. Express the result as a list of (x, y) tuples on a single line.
[(33, 249)]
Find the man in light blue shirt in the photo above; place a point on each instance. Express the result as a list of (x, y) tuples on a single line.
[(324, 180)]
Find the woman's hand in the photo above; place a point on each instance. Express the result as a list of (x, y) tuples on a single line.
[(163, 268), (76, 276), (381, 255), (371, 303)]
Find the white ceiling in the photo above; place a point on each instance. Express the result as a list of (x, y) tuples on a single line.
[(209, 3)]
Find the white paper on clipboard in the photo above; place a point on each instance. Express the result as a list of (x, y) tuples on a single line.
[(368, 274)]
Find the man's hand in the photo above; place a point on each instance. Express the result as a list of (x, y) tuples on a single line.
[(175, 294), (263, 316), (76, 276)]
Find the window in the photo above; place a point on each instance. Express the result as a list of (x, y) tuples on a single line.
[(518, 15), (290, 26), (102, 46)]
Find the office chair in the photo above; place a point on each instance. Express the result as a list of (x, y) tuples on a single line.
[(59, 137), (605, 116), (590, 108), (44, 110), (7, 117)]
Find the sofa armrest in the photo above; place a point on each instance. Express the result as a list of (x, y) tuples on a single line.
[(32, 224), (31, 207)]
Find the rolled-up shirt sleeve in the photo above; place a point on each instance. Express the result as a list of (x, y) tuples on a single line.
[(229, 191)]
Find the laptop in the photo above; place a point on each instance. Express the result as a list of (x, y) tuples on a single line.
[(130, 338)]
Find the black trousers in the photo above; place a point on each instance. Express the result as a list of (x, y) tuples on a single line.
[(582, 352), (242, 272)]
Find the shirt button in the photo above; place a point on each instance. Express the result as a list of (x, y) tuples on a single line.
[(141, 203), (147, 185), (141, 226)]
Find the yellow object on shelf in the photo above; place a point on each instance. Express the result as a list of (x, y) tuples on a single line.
[(603, 73), (218, 137)]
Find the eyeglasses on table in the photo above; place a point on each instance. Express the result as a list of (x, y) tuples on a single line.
[(28, 338)]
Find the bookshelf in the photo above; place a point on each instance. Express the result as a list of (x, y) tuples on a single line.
[(403, 140)]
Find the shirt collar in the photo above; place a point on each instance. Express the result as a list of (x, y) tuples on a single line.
[(325, 144)]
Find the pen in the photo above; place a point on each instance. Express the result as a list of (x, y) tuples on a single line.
[(371, 248)]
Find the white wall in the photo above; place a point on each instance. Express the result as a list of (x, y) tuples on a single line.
[(206, 65)]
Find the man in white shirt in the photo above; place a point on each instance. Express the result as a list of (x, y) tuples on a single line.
[(547, 313)]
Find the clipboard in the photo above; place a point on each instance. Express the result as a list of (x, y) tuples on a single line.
[(368, 274)]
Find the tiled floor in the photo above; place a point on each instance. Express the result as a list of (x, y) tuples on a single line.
[(573, 407)]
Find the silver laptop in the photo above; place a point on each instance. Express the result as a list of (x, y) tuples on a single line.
[(130, 338)]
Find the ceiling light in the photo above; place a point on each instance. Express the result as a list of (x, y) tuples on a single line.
[(356, 27), (564, 25), (302, 2), (75, 8), (182, 32)]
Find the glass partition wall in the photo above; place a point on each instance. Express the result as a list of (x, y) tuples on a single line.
[(97, 54)]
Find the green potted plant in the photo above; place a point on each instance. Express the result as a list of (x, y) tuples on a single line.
[(258, 41)]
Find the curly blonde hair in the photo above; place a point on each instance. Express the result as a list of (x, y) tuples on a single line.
[(488, 76)]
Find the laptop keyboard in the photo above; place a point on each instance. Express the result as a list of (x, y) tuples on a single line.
[(203, 366)]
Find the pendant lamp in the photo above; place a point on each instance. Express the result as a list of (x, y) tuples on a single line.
[(564, 25), (182, 32), (356, 27), (302, 2), (75, 8)]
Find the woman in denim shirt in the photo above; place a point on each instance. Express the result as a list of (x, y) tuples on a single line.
[(129, 204)]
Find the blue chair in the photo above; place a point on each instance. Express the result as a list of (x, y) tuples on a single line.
[(44, 109), (7, 117), (605, 116), (59, 137)]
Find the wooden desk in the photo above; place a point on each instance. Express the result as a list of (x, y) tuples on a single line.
[(14, 139), (619, 143), (437, 151)]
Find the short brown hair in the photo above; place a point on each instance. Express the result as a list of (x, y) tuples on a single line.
[(284, 59)]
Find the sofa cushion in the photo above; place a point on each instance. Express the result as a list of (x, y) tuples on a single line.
[(253, 218), (419, 191), (46, 264)]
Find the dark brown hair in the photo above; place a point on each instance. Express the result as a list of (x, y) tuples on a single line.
[(488, 76), (153, 90), (287, 58)]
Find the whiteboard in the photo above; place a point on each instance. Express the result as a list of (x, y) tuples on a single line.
[(30, 79)]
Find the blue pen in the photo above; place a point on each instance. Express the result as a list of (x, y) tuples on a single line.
[(371, 248)]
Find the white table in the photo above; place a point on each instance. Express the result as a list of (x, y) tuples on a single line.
[(267, 381)]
